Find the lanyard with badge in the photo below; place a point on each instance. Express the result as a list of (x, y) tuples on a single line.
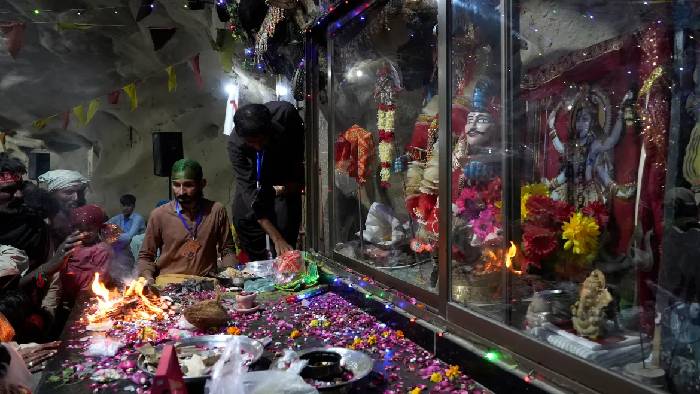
[(259, 157), (191, 247)]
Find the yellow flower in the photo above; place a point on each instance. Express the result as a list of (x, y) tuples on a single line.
[(452, 372), (386, 334), (529, 190), (399, 334), (233, 331), (313, 323), (295, 334), (416, 390), (581, 234), (372, 340), (436, 377), (326, 323), (355, 343)]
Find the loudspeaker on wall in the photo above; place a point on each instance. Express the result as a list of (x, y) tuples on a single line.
[(167, 149)]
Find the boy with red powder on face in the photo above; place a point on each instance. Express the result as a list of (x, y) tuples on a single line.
[(93, 256)]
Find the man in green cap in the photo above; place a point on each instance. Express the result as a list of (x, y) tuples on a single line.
[(191, 232)]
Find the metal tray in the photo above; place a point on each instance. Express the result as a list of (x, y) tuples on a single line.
[(250, 346), (359, 363)]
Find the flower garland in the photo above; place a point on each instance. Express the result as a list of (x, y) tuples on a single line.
[(385, 125), (387, 85)]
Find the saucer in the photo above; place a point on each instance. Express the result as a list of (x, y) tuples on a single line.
[(249, 310)]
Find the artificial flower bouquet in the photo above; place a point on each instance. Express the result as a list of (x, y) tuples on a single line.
[(480, 206), (555, 233)]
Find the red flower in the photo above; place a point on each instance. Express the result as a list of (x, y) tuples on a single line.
[(546, 212), (538, 242), (540, 206), (562, 211), (597, 211), (492, 194)]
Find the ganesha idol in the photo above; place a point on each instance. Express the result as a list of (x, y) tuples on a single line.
[(476, 160)]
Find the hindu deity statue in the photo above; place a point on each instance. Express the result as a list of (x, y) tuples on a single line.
[(473, 154), (589, 311), (476, 160), (587, 173)]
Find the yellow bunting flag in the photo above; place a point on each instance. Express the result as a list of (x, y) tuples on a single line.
[(130, 91), (92, 110), (41, 123), (79, 113), (73, 26), (172, 79)]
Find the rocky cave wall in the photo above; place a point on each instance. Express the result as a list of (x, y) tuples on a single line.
[(59, 69)]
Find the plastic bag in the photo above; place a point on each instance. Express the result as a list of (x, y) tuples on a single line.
[(227, 374), (230, 375), (287, 266), (282, 377), (276, 382), (103, 346), (382, 227)]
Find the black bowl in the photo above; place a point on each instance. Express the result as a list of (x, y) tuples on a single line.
[(322, 365)]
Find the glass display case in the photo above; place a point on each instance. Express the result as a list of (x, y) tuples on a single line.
[(529, 169)]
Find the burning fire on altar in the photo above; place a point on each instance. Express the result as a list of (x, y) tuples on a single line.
[(133, 303)]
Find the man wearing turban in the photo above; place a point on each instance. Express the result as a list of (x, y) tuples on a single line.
[(23, 229), (67, 188)]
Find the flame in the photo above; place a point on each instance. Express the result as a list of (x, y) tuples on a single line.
[(494, 260), (111, 302), (512, 251)]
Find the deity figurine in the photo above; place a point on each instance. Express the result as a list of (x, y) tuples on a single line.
[(587, 170), (474, 154), (588, 311)]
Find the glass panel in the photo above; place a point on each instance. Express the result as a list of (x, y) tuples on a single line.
[(596, 146), (478, 250), (383, 102)]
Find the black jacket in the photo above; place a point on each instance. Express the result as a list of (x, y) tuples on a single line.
[(283, 163)]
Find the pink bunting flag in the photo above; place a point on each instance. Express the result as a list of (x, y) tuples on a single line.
[(14, 33), (66, 119), (113, 98), (197, 73)]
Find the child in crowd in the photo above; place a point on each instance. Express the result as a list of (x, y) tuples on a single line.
[(93, 256)]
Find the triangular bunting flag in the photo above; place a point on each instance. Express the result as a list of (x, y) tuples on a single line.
[(40, 123), (14, 33), (130, 91), (66, 119), (79, 113), (197, 73), (172, 79), (226, 50), (231, 108), (73, 26), (113, 98), (92, 110), (160, 36)]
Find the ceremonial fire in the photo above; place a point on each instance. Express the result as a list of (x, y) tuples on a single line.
[(494, 262), (131, 304)]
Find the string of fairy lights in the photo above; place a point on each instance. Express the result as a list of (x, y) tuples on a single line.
[(395, 301)]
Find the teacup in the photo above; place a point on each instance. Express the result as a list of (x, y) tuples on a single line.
[(246, 299)]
